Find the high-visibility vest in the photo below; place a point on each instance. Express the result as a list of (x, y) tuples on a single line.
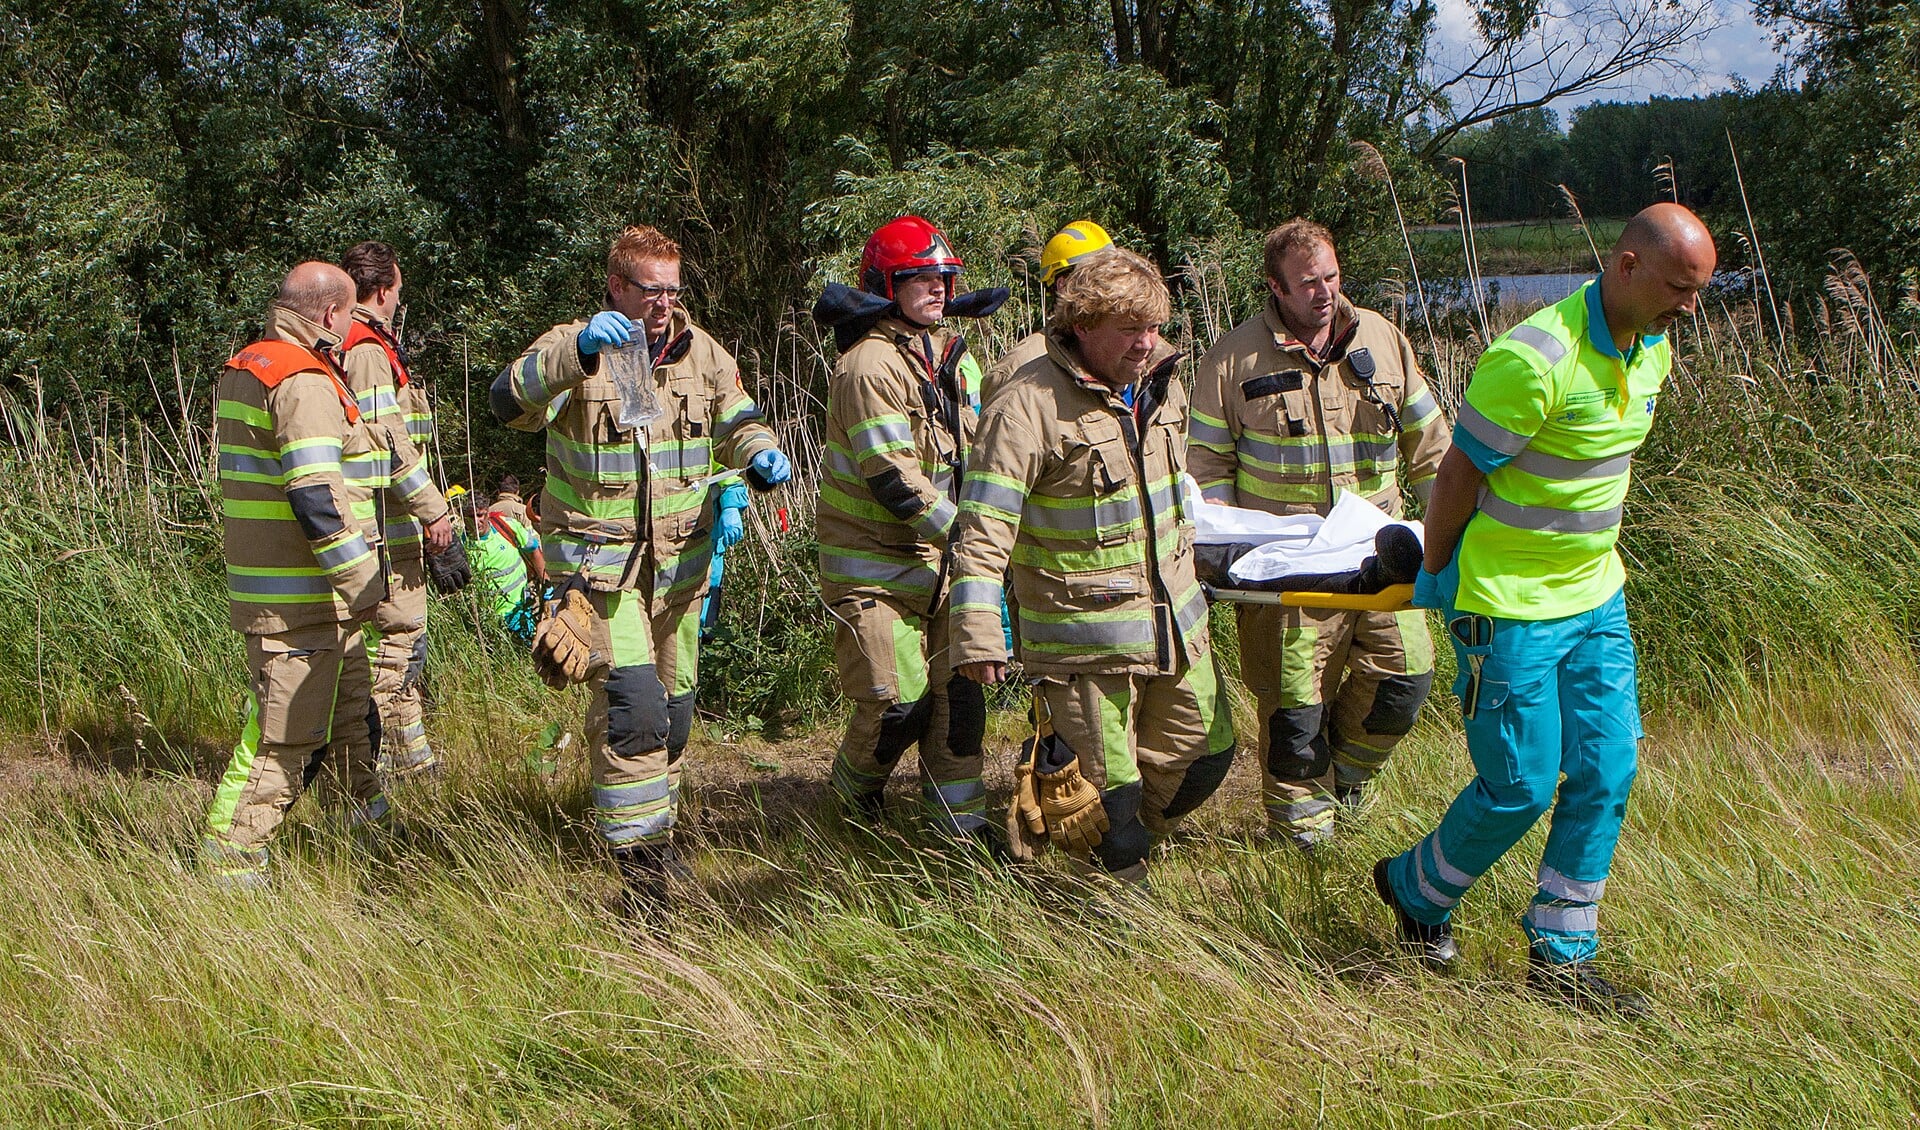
[(1561, 415)]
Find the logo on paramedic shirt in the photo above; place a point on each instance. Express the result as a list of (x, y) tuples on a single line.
[(1650, 401)]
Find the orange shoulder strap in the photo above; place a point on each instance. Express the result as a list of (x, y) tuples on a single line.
[(271, 362), (361, 333)]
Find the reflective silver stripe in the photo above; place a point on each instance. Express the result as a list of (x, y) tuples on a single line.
[(569, 553), (630, 795), (959, 794), (1208, 434), (1449, 874), (999, 496), (346, 553), (1084, 519), (236, 463), (1548, 346), (686, 568), (533, 379), (1554, 467), (975, 592), (942, 480), (842, 465), (1161, 499), (302, 584), (415, 481), (879, 434), (906, 573), (1564, 919), (1547, 519), (1418, 408), (1193, 611), (935, 520), (1131, 632), (1574, 890), (601, 460), (1490, 433), (1307, 456), (1427, 890), (620, 832), (691, 455)]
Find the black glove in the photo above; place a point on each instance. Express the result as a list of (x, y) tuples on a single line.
[(449, 570)]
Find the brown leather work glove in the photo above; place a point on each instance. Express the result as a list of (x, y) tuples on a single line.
[(563, 644), (1026, 828), (1071, 807)]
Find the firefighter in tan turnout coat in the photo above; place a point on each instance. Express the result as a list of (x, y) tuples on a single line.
[(625, 524), (1073, 491), (386, 393), (1312, 396), (899, 423), (301, 472)]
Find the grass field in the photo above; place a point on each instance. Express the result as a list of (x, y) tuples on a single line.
[(1519, 247), (469, 969)]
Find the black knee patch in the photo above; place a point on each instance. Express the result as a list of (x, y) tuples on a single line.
[(966, 716), (1396, 705), (312, 768), (1203, 777), (636, 710), (679, 722), (901, 725), (1125, 841), (416, 663), (1297, 748), (374, 733)]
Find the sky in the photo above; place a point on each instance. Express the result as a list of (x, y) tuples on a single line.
[(1740, 47)]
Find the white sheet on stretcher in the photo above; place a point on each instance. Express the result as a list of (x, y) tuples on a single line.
[(1304, 543)]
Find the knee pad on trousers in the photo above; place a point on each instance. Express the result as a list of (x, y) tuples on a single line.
[(1125, 842), (679, 721), (1297, 748), (966, 716), (374, 733), (311, 769), (416, 663), (1203, 777), (901, 725), (1396, 704), (636, 710)]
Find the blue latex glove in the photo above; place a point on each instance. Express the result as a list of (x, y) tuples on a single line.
[(1426, 591), (771, 467), (728, 528), (608, 327)]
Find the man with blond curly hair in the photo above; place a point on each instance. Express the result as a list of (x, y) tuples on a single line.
[(625, 520), (1073, 493)]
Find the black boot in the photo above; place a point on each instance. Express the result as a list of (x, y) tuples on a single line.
[(1433, 945), (648, 876), (1577, 985)]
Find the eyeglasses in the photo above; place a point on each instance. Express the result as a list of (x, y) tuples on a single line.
[(654, 293)]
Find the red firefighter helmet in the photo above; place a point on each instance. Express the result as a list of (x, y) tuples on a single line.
[(906, 246)]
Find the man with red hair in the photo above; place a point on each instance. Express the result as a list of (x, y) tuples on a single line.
[(625, 524)]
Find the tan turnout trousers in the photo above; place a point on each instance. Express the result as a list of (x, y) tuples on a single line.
[(1336, 691)]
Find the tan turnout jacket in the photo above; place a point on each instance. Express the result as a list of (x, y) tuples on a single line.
[(598, 471), (303, 486), (1279, 430), (896, 449), (1076, 497)]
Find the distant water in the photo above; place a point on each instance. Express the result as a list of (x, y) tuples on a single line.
[(1532, 290)]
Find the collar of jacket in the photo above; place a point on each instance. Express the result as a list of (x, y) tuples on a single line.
[(287, 324), (368, 317), (905, 336), (1346, 323), (1063, 351)]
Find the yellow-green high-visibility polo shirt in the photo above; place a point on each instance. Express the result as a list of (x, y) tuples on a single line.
[(1553, 415)]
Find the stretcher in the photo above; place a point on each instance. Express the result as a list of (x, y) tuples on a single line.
[(1393, 598)]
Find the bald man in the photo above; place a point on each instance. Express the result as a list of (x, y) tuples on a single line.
[(299, 471), (1520, 559)]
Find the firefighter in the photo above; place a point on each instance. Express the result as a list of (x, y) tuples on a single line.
[(1073, 491), (1520, 559), (507, 500), (387, 392), (1312, 396), (1071, 245), (625, 527), (304, 565), (899, 421)]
